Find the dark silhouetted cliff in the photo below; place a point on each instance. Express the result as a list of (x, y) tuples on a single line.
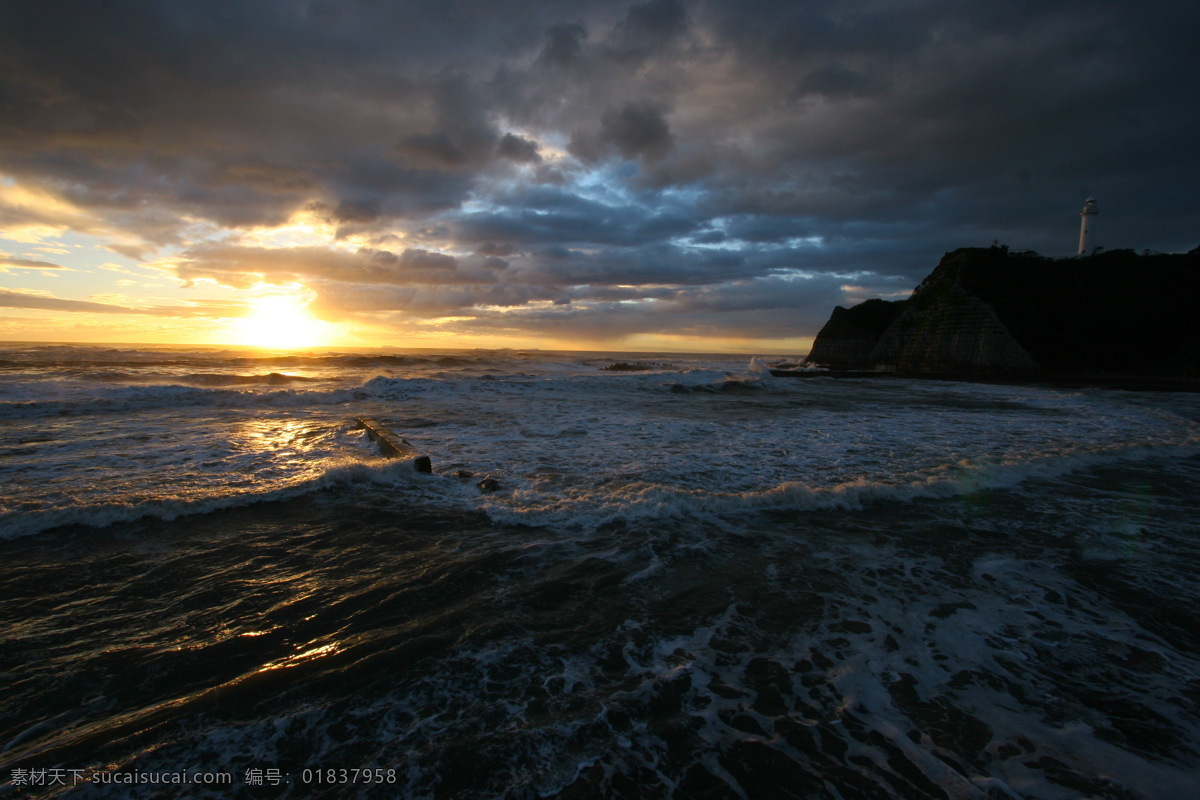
[(852, 333), (989, 311)]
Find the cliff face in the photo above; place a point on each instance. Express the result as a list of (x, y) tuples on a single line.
[(988, 311), (957, 332), (851, 334)]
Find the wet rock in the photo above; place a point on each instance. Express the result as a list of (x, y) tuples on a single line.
[(635, 366)]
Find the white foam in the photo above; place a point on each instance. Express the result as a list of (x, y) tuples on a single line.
[(168, 502), (574, 446), (576, 449), (580, 508)]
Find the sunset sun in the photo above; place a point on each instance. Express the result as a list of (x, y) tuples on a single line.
[(280, 322)]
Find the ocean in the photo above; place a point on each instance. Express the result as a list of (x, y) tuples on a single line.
[(693, 580)]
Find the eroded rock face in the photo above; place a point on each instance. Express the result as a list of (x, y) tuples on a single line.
[(956, 333), (987, 311)]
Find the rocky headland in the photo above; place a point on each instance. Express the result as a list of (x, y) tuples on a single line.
[(992, 312)]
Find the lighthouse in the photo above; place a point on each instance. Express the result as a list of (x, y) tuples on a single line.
[(1087, 225)]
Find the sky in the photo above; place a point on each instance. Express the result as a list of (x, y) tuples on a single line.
[(672, 175)]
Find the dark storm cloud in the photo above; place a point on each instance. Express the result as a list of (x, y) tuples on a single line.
[(245, 266), (461, 134), (338, 300), (837, 81), (518, 148), (564, 43), (552, 215), (494, 249), (649, 265), (637, 129), (716, 149), (239, 113), (647, 28)]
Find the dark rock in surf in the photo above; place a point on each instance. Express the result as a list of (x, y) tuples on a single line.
[(635, 366), (394, 446)]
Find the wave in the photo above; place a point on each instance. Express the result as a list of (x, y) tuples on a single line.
[(63, 356), (114, 395), (110, 388), (197, 378), (641, 503), (119, 392), (343, 473), (726, 385), (583, 509), (138, 398)]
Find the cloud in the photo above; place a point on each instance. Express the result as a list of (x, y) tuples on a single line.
[(461, 134), (643, 160), (637, 130), (647, 28), (7, 262), (837, 81), (494, 249), (11, 299), (519, 149), (564, 43), (551, 215), (245, 266)]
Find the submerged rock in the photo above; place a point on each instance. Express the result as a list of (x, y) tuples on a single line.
[(635, 366)]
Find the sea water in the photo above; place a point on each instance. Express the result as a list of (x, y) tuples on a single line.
[(694, 580)]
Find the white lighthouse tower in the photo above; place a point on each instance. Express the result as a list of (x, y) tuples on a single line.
[(1087, 225)]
